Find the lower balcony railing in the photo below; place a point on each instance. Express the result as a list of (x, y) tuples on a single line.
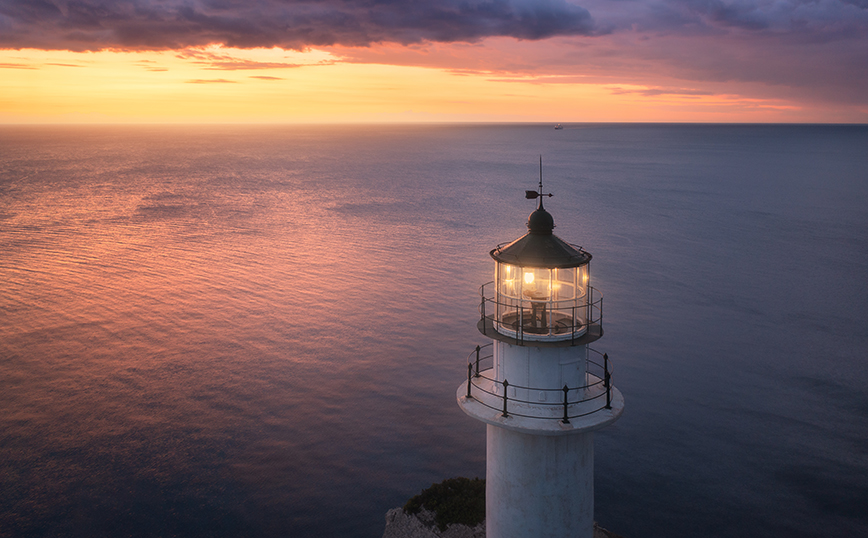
[(566, 403)]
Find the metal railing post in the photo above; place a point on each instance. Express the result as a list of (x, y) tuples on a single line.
[(551, 318), (601, 311), (573, 325), (477, 361), (469, 376), (505, 386), (607, 381), (566, 418), (482, 297), (520, 313)]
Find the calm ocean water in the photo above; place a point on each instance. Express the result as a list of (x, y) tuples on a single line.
[(258, 331)]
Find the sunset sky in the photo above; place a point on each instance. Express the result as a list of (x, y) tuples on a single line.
[(93, 61)]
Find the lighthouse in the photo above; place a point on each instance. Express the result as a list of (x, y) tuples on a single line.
[(539, 386)]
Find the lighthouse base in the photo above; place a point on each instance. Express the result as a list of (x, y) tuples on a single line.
[(539, 486)]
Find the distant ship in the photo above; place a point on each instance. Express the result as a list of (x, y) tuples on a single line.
[(558, 127)]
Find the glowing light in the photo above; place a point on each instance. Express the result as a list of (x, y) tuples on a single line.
[(528, 278)]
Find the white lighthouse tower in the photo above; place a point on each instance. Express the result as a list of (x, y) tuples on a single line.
[(539, 387)]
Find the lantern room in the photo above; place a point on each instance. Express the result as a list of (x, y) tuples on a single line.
[(541, 286)]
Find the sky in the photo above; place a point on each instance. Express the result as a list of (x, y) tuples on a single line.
[(328, 61)]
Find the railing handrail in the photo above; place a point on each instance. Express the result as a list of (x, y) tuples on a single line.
[(475, 358), (600, 380), (593, 306), (475, 354), (592, 291)]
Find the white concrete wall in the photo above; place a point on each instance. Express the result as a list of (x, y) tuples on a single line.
[(540, 367), (539, 486)]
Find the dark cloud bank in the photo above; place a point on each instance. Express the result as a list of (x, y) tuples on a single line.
[(173, 24), (810, 50)]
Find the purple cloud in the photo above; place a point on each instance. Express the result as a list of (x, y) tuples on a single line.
[(834, 19), (297, 24), (799, 50)]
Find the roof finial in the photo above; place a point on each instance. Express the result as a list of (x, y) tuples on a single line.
[(540, 182)]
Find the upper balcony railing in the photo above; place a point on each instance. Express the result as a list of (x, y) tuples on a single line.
[(541, 320)]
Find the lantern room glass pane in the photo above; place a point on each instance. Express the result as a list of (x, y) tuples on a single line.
[(564, 284), (508, 291), (536, 284), (539, 302), (582, 277), (508, 280)]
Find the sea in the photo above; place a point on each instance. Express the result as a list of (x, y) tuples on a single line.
[(258, 331)]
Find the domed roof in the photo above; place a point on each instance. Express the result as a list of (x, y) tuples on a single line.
[(540, 221), (539, 247)]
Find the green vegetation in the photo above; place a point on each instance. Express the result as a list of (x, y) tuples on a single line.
[(455, 500)]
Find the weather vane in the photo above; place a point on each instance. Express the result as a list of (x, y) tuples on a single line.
[(532, 195)]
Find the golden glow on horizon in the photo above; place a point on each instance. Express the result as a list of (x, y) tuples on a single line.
[(218, 84)]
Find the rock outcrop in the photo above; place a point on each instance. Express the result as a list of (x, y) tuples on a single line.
[(402, 525)]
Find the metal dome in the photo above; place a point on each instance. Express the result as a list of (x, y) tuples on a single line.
[(539, 247)]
